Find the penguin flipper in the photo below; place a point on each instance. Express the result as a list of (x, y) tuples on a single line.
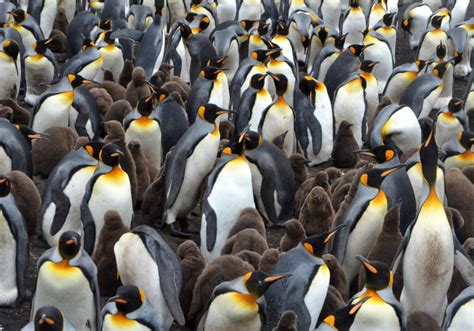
[(126, 33), (466, 295), (81, 121), (463, 262), (148, 316), (211, 225), (63, 205), (401, 249), (316, 132)]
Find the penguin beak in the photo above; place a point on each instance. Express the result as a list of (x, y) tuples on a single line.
[(151, 86), (117, 299), (392, 170), (225, 111), (270, 52), (366, 264), (275, 278), (367, 46), (47, 320), (244, 132), (357, 306), (333, 232), (117, 154), (38, 136), (365, 152)]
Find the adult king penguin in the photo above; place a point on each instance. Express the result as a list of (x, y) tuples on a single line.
[(460, 311), (450, 121), (15, 153), (48, 318), (343, 318), (9, 87), (458, 152)]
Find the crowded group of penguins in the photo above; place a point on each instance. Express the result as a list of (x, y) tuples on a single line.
[(288, 118)]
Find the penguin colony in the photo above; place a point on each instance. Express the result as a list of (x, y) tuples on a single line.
[(222, 123)]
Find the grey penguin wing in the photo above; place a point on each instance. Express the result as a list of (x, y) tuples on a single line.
[(149, 316), (465, 296), (401, 249), (463, 262), (315, 129)]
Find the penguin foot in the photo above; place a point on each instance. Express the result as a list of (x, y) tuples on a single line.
[(184, 233)]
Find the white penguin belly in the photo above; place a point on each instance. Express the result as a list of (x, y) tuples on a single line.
[(39, 71), (198, 165), (428, 263), (404, 129), (121, 323), (231, 193), (53, 112), (232, 61), (48, 14), (372, 98), (430, 101), (460, 161), (8, 79), (136, 267), (278, 120), (185, 61), (149, 136), (217, 93), (226, 10), (5, 162), (324, 115), (159, 59), (69, 9), (111, 192), (69, 290), (419, 22), (74, 190), (90, 71), (397, 85), (354, 24), (376, 315), (228, 312), (316, 294), (464, 318), (8, 286), (331, 11), (262, 101), (447, 127), (325, 65), (27, 38), (250, 10), (379, 52), (364, 235), (258, 69), (431, 40), (113, 60)]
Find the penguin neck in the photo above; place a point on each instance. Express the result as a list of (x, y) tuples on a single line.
[(388, 164), (432, 199)]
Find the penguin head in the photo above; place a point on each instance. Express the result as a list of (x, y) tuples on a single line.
[(69, 244), (94, 148), (441, 51), (377, 274), (281, 83), (354, 3), (314, 245), (421, 64), (258, 81), (86, 43), (11, 48), (455, 105), (388, 19), (252, 140), (343, 318), (210, 112), (145, 105), (161, 94), (210, 73), (49, 318), (247, 24), (308, 87), (204, 23), (41, 46), (406, 24), (436, 21), (466, 139), (440, 69), (185, 30), (339, 41), (322, 33), (258, 282), (282, 28), (76, 80), (105, 24), (262, 27), (274, 52), (19, 15), (217, 62), (108, 37), (110, 155), (5, 186), (357, 49), (374, 177), (367, 65), (429, 159), (260, 55), (380, 154), (128, 298)]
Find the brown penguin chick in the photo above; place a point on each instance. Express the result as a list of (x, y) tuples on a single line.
[(154, 198), (20, 114), (460, 194), (347, 177), (80, 142), (166, 69), (300, 169), (141, 169), (27, 198), (333, 174), (126, 74), (177, 97), (338, 276), (115, 90), (288, 322), (60, 21), (59, 42), (320, 179), (345, 145), (104, 257), (118, 111), (103, 99), (339, 195), (222, 269), (317, 214), (293, 236), (469, 173), (247, 239), (249, 218), (455, 218), (269, 259), (192, 265), (226, 129), (116, 134), (176, 87), (280, 140), (457, 282), (251, 257), (137, 87), (6, 112), (47, 153), (420, 321), (333, 301)]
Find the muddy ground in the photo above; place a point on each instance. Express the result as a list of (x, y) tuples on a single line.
[(12, 319)]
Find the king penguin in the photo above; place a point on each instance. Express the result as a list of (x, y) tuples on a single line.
[(109, 188), (458, 151), (343, 318), (9, 87), (44, 12), (415, 20), (431, 39), (305, 291), (145, 260), (402, 76), (460, 311), (48, 318), (190, 161), (14, 253), (15, 152), (129, 308), (371, 89), (67, 279), (112, 56), (28, 28), (379, 51), (354, 23), (450, 121), (87, 63)]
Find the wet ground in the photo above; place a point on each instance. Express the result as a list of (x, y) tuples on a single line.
[(12, 319)]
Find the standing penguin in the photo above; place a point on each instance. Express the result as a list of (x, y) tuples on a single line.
[(280, 65), (229, 191), (279, 118), (371, 89), (283, 42), (112, 56), (109, 188), (382, 310), (343, 318), (87, 63), (143, 125), (431, 39), (354, 23), (314, 120), (28, 28), (44, 12), (145, 260), (227, 45), (363, 219), (67, 279), (387, 28), (450, 122), (331, 13), (402, 76), (377, 12), (48, 318), (9, 87), (15, 153), (130, 308), (414, 21), (319, 38), (272, 178), (458, 150), (190, 161), (14, 253), (381, 53), (326, 58), (40, 69), (459, 312), (306, 290)]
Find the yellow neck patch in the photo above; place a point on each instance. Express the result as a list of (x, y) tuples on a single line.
[(247, 301)]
